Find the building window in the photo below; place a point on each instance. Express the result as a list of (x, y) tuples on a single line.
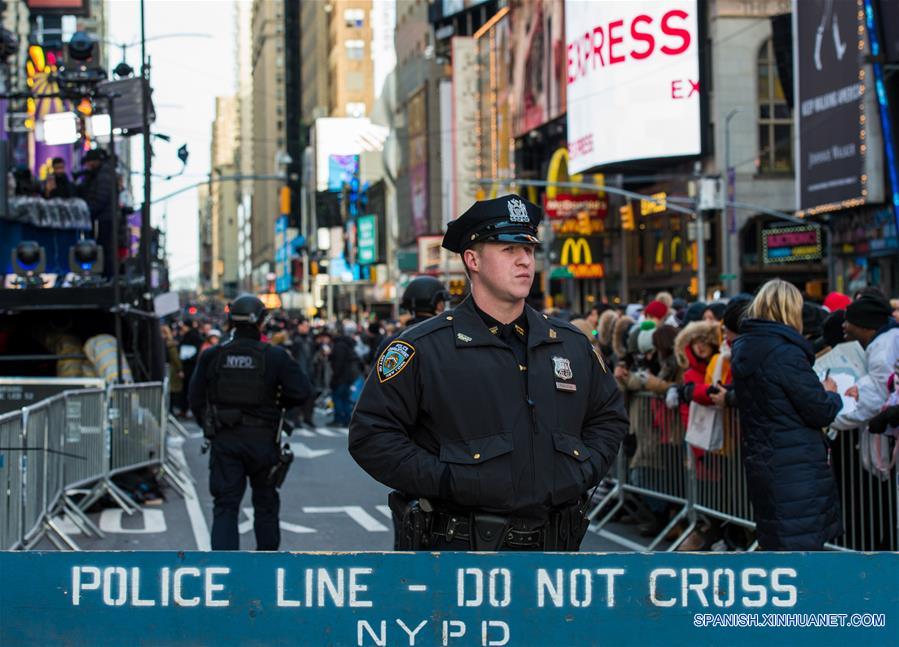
[(354, 18), (355, 49), (354, 81), (775, 123), (355, 109)]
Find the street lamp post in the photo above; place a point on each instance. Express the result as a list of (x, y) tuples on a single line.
[(146, 220), (145, 118), (729, 225)]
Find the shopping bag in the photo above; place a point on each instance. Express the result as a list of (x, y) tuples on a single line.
[(705, 428)]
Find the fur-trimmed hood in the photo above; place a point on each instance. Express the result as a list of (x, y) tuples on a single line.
[(606, 325), (619, 336), (696, 331)]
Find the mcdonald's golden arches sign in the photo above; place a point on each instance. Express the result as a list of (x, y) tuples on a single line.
[(578, 258)]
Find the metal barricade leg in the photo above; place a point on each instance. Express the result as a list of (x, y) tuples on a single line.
[(690, 510), (77, 516), (52, 527), (175, 424), (676, 519), (616, 491)]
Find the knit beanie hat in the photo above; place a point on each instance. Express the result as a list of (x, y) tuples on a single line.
[(733, 313), (813, 317), (836, 301), (869, 312), (717, 309), (644, 341), (656, 310), (694, 312)]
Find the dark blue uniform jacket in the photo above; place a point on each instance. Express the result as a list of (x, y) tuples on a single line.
[(448, 413)]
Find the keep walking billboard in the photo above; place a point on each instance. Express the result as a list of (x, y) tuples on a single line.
[(838, 148)]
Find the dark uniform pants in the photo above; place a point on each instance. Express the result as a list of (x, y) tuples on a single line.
[(238, 455)]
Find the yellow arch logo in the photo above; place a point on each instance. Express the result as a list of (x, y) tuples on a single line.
[(574, 249)]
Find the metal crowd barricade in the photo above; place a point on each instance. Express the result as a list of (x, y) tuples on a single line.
[(137, 421), (656, 468), (72, 445), (11, 475), (720, 489), (869, 503), (34, 443), (713, 484)]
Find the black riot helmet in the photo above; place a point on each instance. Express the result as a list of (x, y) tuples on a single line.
[(246, 309), (423, 294)]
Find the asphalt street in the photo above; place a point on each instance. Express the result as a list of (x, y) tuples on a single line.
[(328, 503)]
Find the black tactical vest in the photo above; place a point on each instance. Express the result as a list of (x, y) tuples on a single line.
[(238, 376)]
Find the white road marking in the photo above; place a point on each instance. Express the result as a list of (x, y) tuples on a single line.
[(385, 510), (355, 512), (301, 431), (66, 525), (154, 522), (300, 450), (192, 503), (247, 526), (324, 431)]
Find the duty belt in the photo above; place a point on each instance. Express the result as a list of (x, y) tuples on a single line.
[(458, 527)]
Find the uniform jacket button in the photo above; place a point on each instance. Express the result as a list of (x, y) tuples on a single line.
[(577, 453), (476, 456)]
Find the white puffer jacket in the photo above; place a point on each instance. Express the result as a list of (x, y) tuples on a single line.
[(881, 356)]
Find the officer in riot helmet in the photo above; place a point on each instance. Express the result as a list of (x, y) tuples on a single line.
[(492, 422), (424, 297), (238, 394)]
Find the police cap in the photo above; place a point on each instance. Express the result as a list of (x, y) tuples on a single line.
[(509, 219), (246, 309), (423, 293)]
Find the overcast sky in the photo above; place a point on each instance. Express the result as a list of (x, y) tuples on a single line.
[(187, 74)]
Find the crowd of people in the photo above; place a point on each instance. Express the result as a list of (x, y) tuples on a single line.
[(336, 358), (753, 355), (750, 357)]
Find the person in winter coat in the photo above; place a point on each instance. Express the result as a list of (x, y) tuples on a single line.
[(99, 190), (303, 348), (173, 364), (345, 368), (188, 352), (718, 373), (694, 347), (783, 407), (605, 328), (869, 321), (619, 342)]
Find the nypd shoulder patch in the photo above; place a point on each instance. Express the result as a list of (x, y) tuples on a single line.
[(394, 359)]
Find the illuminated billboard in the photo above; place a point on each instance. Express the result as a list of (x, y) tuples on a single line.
[(633, 81)]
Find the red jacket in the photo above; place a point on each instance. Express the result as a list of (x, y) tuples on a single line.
[(695, 374)]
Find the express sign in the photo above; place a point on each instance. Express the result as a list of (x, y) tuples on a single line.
[(633, 80)]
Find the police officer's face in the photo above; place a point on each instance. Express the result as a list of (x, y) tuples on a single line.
[(507, 269)]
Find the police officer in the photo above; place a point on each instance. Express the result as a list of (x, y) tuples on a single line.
[(424, 297), (237, 394), (491, 421)]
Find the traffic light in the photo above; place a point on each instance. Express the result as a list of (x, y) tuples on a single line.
[(457, 287), (627, 217), (354, 199)]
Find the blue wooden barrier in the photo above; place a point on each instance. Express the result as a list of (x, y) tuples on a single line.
[(108, 598)]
